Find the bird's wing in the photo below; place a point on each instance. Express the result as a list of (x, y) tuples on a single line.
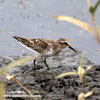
[(39, 45)]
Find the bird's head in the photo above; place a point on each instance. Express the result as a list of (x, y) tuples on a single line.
[(63, 43)]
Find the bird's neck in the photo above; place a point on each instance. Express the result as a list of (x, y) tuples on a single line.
[(57, 48)]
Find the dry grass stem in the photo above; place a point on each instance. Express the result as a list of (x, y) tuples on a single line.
[(2, 91), (77, 22)]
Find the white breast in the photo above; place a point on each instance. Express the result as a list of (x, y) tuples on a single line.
[(48, 53)]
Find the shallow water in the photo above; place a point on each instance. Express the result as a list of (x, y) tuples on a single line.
[(34, 18)]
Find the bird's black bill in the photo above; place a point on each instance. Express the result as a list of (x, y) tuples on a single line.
[(72, 49)]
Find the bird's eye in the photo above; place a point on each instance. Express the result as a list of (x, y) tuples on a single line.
[(65, 43)]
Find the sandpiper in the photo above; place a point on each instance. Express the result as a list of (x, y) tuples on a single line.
[(44, 47)]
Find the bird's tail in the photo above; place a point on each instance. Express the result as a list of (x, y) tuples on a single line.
[(20, 39)]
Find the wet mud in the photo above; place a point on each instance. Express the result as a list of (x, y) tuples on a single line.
[(43, 84)]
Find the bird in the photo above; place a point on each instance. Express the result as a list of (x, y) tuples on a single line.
[(45, 47)]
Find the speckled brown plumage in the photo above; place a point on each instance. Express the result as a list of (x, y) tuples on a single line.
[(44, 46), (39, 45)]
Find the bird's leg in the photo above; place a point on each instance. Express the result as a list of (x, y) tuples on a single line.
[(46, 64), (34, 63), (34, 67)]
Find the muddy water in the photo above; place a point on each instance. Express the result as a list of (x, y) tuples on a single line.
[(34, 18)]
